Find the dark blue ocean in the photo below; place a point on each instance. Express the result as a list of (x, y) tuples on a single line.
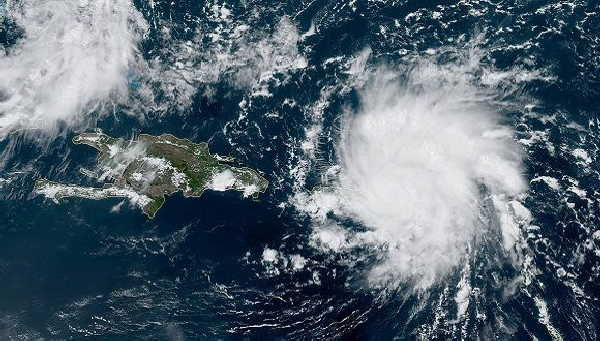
[(100, 270)]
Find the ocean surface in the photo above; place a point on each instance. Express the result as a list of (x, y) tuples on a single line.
[(433, 169)]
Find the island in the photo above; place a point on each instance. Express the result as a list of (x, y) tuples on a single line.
[(148, 168)]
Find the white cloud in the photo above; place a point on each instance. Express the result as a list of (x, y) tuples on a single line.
[(416, 163), (74, 56), (222, 181)]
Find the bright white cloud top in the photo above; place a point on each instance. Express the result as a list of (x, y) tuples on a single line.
[(74, 56), (425, 165)]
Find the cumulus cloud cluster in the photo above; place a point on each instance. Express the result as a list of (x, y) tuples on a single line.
[(74, 55), (247, 58), (416, 163)]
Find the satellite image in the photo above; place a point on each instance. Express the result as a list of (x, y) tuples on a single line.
[(299, 170)]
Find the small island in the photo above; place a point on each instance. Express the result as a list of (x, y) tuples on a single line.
[(148, 168)]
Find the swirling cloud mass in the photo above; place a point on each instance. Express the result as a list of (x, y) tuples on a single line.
[(417, 164)]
